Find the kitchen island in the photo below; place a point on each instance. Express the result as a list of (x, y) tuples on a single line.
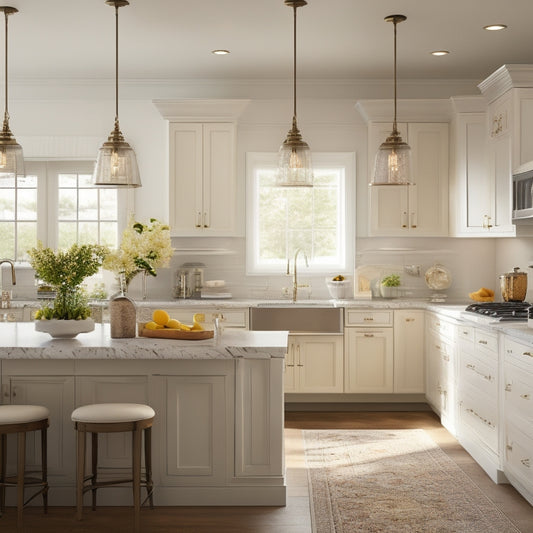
[(218, 432)]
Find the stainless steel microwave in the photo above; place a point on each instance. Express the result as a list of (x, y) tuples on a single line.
[(523, 194)]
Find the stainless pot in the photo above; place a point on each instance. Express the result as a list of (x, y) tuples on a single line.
[(514, 285)]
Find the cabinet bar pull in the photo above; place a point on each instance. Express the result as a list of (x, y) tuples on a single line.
[(404, 219), (530, 354), (484, 420), (509, 447), (474, 369), (508, 387), (413, 219), (369, 334), (464, 332), (206, 222), (299, 359), (368, 319), (482, 342), (526, 462), (409, 319), (198, 220)]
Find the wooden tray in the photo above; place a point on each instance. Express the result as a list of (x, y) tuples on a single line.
[(177, 334)]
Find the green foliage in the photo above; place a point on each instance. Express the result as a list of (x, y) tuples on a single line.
[(393, 280), (64, 271)]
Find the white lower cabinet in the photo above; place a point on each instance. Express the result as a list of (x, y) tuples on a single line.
[(314, 363), (369, 360), (28, 384), (517, 389)]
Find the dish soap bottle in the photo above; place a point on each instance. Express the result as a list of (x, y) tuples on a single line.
[(122, 315)]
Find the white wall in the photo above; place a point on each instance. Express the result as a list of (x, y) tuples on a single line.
[(71, 119)]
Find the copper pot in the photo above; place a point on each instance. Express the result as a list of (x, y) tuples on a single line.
[(514, 285)]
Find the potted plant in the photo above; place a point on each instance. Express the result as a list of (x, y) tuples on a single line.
[(389, 286), (64, 271)]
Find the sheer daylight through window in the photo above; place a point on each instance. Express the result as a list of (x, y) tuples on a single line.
[(282, 220)]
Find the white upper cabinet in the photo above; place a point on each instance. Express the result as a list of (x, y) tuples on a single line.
[(202, 165), (480, 184), (202, 178), (419, 210), (414, 210)]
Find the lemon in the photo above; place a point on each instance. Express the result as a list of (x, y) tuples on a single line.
[(198, 317), (152, 325), (160, 317), (173, 324)]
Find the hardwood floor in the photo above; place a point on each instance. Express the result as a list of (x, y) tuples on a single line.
[(295, 517)]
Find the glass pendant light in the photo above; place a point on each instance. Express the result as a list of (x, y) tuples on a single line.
[(294, 168), (393, 159), (11, 157), (116, 164)]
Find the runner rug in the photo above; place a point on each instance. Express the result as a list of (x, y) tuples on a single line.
[(392, 481)]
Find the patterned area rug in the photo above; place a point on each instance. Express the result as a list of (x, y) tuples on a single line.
[(392, 481)]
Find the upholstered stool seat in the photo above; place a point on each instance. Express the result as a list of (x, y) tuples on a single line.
[(114, 418), (21, 419)]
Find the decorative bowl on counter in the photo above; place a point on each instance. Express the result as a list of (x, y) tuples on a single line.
[(338, 290), (64, 329)]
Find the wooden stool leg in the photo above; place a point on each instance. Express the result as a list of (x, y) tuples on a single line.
[(3, 462), (94, 465), (136, 468), (148, 465), (44, 467), (21, 467), (80, 473)]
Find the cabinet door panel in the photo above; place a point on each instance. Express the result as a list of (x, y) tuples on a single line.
[(389, 210), (369, 360), (185, 178), (57, 394), (321, 361), (194, 430), (501, 161), (409, 351)]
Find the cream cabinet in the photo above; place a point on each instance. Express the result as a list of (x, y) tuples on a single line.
[(314, 364), (440, 368), (202, 179), (368, 349), (517, 387), (478, 420), (51, 384), (412, 210), (480, 194), (409, 351)]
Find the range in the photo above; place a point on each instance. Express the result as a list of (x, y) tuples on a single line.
[(497, 312)]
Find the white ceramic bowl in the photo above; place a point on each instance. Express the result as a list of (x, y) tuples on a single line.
[(64, 329), (339, 290)]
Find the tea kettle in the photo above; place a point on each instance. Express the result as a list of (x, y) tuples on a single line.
[(513, 285)]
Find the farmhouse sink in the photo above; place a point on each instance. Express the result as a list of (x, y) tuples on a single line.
[(297, 318)]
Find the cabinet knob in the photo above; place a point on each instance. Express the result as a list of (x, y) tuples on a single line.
[(526, 462)]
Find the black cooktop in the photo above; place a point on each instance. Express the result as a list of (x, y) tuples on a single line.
[(504, 311)]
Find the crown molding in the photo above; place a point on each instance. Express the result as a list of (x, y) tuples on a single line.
[(469, 104), (505, 78), (190, 109)]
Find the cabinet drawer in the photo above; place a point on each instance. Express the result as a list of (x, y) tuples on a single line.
[(480, 417), (442, 327), (478, 374), (465, 333), (368, 318), (485, 341), (518, 389), (519, 353), (519, 456)]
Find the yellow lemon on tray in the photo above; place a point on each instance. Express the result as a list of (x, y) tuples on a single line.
[(160, 317), (173, 324), (153, 325)]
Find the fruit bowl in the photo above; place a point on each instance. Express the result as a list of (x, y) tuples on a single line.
[(338, 290)]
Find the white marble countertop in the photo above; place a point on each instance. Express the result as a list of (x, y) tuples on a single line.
[(19, 340)]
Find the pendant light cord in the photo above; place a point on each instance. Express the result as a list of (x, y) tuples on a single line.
[(394, 124), (6, 113), (116, 65), (294, 64)]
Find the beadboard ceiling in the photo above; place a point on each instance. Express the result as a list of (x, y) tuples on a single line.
[(337, 39)]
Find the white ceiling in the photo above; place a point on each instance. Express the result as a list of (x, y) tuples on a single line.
[(337, 39)]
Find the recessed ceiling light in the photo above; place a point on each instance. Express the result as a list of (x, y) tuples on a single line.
[(495, 27), (440, 53), (220, 52)]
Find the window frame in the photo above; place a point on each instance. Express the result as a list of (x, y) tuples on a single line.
[(269, 160)]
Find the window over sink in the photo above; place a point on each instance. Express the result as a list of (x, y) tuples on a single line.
[(319, 220)]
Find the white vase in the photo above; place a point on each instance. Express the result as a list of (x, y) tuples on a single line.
[(64, 329), (388, 292)]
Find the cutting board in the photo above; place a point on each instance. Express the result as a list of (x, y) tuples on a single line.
[(177, 334)]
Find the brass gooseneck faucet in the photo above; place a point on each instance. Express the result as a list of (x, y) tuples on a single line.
[(13, 277), (295, 273)]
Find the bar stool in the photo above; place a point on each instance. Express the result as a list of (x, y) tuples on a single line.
[(20, 419), (114, 418)]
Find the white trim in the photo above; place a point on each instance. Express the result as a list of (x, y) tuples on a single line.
[(268, 160)]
